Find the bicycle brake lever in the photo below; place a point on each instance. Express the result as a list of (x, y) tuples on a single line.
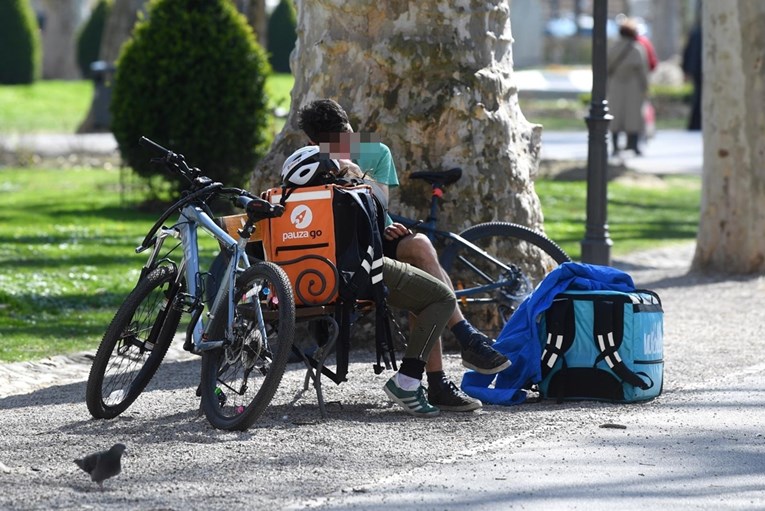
[(277, 210)]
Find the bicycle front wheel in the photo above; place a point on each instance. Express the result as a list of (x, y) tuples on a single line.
[(240, 378), (134, 345), (489, 292)]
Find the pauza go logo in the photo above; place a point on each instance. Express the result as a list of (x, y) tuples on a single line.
[(301, 217)]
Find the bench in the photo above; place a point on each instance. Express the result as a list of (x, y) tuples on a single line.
[(316, 363)]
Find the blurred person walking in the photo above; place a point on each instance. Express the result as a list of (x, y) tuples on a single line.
[(627, 86)]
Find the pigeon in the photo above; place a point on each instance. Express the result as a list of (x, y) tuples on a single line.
[(102, 465)]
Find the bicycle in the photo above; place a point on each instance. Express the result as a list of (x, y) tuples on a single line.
[(244, 338), (493, 266)]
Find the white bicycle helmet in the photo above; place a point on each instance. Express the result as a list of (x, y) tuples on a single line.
[(307, 167)]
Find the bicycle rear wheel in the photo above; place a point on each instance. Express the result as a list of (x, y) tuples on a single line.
[(134, 345), (240, 379), (487, 292)]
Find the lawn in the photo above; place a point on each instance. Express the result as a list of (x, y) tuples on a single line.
[(642, 214), (53, 106), (67, 237), (67, 254), (49, 106), (67, 257), (56, 106)]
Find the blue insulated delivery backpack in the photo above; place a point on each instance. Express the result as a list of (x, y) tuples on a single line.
[(605, 345)]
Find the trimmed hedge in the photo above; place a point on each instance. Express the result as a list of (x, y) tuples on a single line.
[(20, 43), (282, 34), (191, 78), (89, 38)]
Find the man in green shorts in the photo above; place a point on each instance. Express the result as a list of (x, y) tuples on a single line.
[(326, 123), (429, 299)]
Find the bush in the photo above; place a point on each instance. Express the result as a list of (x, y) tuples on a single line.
[(282, 34), (191, 78), (20, 44), (89, 38)]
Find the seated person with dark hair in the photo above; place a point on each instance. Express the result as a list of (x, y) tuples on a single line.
[(326, 123), (430, 300)]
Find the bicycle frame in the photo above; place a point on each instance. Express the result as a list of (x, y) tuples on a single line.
[(429, 228), (186, 229)]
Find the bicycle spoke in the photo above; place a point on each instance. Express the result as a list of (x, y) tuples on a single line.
[(133, 345), (489, 292), (240, 379)]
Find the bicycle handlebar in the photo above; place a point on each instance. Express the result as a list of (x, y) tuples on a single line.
[(175, 163), (203, 187)]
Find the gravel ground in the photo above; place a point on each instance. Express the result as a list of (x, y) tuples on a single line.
[(293, 459)]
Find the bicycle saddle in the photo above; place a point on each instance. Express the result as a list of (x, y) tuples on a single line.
[(444, 178)]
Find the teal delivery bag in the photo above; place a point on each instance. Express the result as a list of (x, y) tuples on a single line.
[(603, 345)]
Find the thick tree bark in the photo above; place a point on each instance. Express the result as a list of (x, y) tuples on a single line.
[(258, 18), (59, 37), (732, 220), (119, 25), (432, 78)]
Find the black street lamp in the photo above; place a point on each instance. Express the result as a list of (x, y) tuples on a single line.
[(596, 245)]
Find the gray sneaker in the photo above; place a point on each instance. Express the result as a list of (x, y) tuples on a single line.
[(447, 396), (412, 401)]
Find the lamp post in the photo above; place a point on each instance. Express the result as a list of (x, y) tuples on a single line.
[(596, 245)]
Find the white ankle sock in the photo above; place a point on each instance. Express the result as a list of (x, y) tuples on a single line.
[(406, 382)]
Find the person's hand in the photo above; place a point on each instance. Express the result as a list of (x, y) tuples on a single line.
[(395, 231)]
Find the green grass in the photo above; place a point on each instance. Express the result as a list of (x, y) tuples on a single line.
[(641, 215), (569, 114), (54, 106), (67, 257), (67, 240), (278, 89), (50, 106), (67, 237)]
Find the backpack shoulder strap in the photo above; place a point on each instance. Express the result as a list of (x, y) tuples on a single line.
[(608, 327), (561, 331)]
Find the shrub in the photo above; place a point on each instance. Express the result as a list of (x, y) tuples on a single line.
[(89, 38), (20, 44), (282, 34), (191, 78)]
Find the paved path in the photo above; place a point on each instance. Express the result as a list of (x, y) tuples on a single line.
[(60, 144), (699, 446), (669, 152)]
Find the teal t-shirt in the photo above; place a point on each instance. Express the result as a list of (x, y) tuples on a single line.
[(375, 160)]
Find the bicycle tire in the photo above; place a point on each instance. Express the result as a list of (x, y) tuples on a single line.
[(235, 394), (529, 254), (123, 364)]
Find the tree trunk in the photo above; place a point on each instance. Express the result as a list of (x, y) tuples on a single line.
[(258, 18), (730, 235), (59, 38), (432, 78), (665, 31), (119, 25)]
